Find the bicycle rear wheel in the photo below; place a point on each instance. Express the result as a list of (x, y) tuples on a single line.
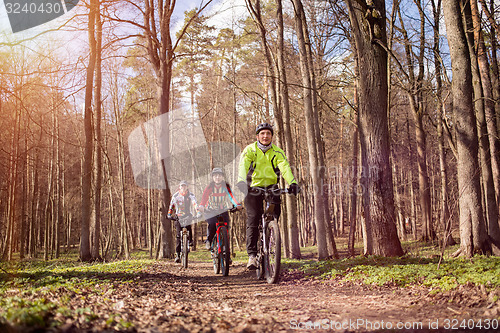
[(273, 257), (225, 253), (215, 255), (185, 249)]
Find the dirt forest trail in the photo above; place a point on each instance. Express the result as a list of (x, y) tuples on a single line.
[(168, 298)]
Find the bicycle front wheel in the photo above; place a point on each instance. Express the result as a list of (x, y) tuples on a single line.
[(225, 253), (273, 256), (215, 255), (185, 250), (260, 259)]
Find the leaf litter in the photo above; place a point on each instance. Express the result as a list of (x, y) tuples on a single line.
[(164, 298)]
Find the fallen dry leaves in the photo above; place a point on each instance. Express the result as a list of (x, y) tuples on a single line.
[(165, 298)]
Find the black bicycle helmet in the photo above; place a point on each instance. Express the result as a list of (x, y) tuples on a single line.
[(263, 127), (217, 170)]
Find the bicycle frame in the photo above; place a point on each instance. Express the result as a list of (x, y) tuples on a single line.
[(267, 217), (221, 255), (184, 222), (220, 223)]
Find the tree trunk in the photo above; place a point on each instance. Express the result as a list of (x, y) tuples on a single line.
[(471, 212), (122, 229), (489, 138), (444, 207), (488, 190), (423, 177), (415, 96), (59, 184), (270, 69), (291, 203), (354, 194), (85, 254), (24, 206), (378, 198), (317, 130), (161, 56), (319, 211), (494, 64), (397, 201), (353, 225), (35, 217), (49, 202), (96, 244)]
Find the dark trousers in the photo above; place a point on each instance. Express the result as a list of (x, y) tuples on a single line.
[(254, 205), (212, 225), (179, 235)]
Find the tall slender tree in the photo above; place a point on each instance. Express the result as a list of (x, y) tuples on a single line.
[(160, 48), (291, 203), (85, 251), (369, 33), (96, 232), (443, 170), (309, 114), (417, 106)]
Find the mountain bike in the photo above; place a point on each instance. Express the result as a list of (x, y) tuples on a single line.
[(269, 242), (184, 221), (220, 247)]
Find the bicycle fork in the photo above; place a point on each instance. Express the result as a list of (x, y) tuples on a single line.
[(185, 232), (263, 236)]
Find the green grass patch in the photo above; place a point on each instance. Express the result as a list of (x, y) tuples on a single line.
[(404, 271), (41, 294), (37, 294)]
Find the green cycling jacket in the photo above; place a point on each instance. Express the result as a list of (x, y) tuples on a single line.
[(264, 168)]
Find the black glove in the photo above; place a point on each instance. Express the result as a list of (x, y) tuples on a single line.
[(243, 187), (294, 189)]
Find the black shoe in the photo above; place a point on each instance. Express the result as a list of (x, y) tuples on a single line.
[(177, 258)]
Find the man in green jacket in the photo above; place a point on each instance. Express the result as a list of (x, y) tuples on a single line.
[(261, 165)]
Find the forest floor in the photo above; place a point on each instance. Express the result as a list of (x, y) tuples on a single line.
[(163, 297)]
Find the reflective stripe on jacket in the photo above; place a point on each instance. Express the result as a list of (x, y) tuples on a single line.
[(263, 169)]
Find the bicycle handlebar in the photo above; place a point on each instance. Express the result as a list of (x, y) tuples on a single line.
[(234, 209), (185, 217), (275, 191), (220, 211)]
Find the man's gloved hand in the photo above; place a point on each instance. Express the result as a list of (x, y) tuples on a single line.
[(169, 216), (242, 186), (294, 189)]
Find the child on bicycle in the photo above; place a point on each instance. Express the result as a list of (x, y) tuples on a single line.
[(182, 202), (217, 199)]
